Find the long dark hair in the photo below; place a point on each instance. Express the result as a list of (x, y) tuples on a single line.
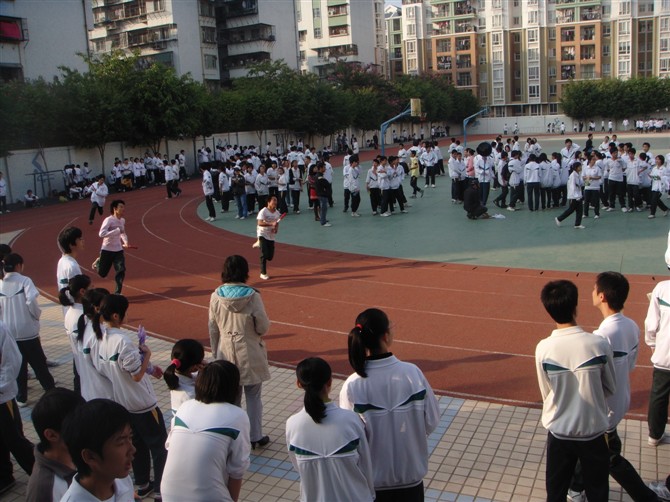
[(185, 354), (70, 294), (110, 305), (371, 326), (313, 374), (218, 382), (90, 302)]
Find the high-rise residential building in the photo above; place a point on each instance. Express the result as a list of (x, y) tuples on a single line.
[(351, 31), (254, 31), (516, 55), (417, 34), (38, 36), (213, 40), (394, 42)]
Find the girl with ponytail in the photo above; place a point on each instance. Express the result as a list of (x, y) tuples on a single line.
[(70, 298), (186, 361), (397, 404), (86, 346), (120, 361), (327, 445)]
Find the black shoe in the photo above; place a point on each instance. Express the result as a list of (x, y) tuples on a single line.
[(145, 492), (261, 442)]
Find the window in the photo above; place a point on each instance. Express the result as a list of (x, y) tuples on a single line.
[(396, 25), (517, 92), (443, 45), (665, 5), (483, 93), (496, 39), (517, 74), (532, 17), (624, 28), (317, 32), (411, 47), (516, 20), (411, 29), (552, 33), (498, 93), (624, 68), (605, 10), (206, 8), (664, 64), (482, 40), (208, 35), (411, 64), (552, 52), (624, 7), (665, 24), (516, 37), (210, 62), (664, 45), (533, 35), (533, 72), (410, 13), (535, 109), (553, 108), (497, 56), (497, 4), (516, 3), (517, 56), (397, 39), (496, 21), (606, 50), (551, 72), (552, 89), (498, 75), (482, 60), (606, 29), (316, 12), (302, 55), (624, 48), (533, 54), (483, 77), (607, 69)]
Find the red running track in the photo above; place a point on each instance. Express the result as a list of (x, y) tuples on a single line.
[(472, 330)]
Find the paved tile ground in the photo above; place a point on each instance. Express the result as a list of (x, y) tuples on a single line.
[(480, 451)]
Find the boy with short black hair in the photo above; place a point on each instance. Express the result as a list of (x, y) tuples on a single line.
[(53, 470), (70, 242), (576, 375), (99, 438)]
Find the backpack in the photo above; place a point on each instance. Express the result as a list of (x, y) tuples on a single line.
[(505, 171)]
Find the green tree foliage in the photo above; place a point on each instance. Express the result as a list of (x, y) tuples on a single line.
[(615, 98), (123, 98)]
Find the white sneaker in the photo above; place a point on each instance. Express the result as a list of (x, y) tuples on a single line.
[(510, 208), (404, 211), (355, 215), (574, 496), (651, 216), (659, 488), (580, 227), (655, 442), (609, 209), (558, 223), (265, 277), (237, 216), (426, 186), (21, 404), (624, 209), (596, 217), (432, 186), (326, 225), (243, 217), (386, 214)]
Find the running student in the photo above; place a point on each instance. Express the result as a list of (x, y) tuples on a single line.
[(99, 193), (114, 241), (397, 404), (208, 447), (327, 445), (266, 227), (186, 361)]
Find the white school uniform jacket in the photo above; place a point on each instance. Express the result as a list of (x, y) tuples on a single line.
[(99, 194), (208, 445), (18, 306), (575, 184), (576, 375), (72, 315), (118, 360), (353, 180), (658, 179), (124, 491), (94, 384), (624, 336), (371, 179), (657, 326), (185, 391), (399, 410), (10, 364), (332, 457), (207, 184), (516, 168), (66, 269)]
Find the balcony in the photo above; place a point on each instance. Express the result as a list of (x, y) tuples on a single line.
[(463, 44), (326, 53), (568, 35), (565, 17), (568, 55), (444, 63), (567, 72), (463, 62), (338, 31), (564, 3), (246, 34), (464, 9), (465, 27), (239, 8), (443, 45), (590, 14), (397, 53), (587, 53), (588, 34), (442, 28), (244, 60)]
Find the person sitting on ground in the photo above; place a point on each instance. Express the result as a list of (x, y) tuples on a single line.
[(30, 199), (100, 441), (472, 202), (53, 470)]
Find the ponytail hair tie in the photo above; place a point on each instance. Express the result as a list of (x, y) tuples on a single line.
[(359, 327), (176, 363)]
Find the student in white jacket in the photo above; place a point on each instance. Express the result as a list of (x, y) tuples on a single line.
[(12, 439), (99, 193), (397, 404), (575, 184), (21, 313), (657, 336), (326, 444), (609, 295)]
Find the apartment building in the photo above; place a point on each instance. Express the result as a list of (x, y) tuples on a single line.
[(34, 42), (516, 55), (341, 30), (394, 42), (417, 33)]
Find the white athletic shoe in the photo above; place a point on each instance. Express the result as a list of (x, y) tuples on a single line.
[(558, 223), (355, 215), (580, 227), (574, 496), (659, 488), (655, 442), (596, 217), (265, 277)]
